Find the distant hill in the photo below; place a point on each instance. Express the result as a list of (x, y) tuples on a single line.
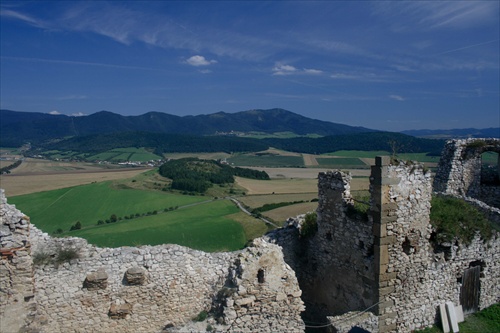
[(169, 143), (19, 127), (493, 132)]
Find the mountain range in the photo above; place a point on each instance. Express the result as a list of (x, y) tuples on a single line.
[(17, 127)]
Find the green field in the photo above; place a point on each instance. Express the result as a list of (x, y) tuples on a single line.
[(205, 227), (267, 161), (89, 203), (345, 162), (420, 157)]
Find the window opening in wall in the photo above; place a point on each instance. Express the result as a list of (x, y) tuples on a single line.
[(407, 248), (261, 276), (490, 169)]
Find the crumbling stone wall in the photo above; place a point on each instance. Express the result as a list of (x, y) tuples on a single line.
[(459, 170), (339, 271), (147, 288), (399, 274), (415, 275), (17, 304)]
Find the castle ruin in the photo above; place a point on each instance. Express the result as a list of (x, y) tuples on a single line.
[(381, 272)]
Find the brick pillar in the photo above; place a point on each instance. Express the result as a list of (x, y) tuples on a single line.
[(383, 212)]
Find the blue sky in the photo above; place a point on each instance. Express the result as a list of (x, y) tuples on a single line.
[(388, 65)]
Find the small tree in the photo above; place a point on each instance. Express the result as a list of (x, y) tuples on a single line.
[(76, 226), (310, 225)]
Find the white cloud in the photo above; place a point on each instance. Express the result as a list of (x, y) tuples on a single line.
[(55, 112), (312, 71), (78, 114), (396, 97), (205, 71), (280, 69), (199, 60)]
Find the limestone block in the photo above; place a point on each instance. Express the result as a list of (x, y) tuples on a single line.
[(135, 276), (96, 280), (119, 311)]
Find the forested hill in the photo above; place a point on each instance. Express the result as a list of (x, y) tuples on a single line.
[(19, 127), (164, 143)]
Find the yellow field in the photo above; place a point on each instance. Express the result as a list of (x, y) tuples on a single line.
[(41, 175), (280, 215), (311, 173), (278, 186)]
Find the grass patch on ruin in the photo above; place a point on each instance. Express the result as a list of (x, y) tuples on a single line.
[(455, 218), (487, 320)]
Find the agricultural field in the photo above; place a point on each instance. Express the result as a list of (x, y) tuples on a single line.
[(142, 217), (205, 228), (278, 186), (36, 175), (131, 154), (266, 160), (57, 194), (342, 162)]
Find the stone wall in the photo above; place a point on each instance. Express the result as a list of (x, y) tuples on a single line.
[(79, 287), (17, 304), (459, 170), (339, 272), (387, 265)]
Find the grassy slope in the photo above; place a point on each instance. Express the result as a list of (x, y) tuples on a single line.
[(89, 203), (205, 228)]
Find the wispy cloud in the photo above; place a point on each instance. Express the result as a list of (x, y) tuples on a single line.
[(71, 97), (396, 98), (128, 24), (198, 60), (283, 69), (78, 114), (312, 71), (437, 14), (55, 112), (80, 63), (11, 14)]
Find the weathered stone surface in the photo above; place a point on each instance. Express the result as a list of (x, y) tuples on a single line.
[(135, 276), (120, 311), (96, 280)]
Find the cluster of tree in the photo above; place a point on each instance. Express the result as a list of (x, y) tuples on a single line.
[(76, 226), (195, 175), (10, 167)]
